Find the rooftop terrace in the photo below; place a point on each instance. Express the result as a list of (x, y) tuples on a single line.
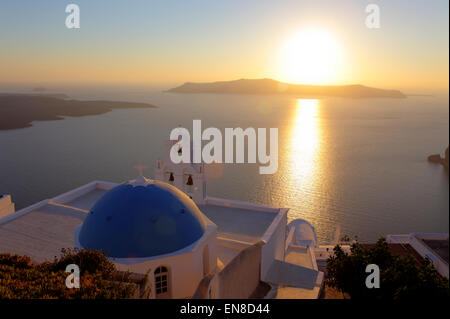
[(41, 230), (241, 224)]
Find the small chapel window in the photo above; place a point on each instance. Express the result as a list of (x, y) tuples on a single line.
[(161, 280)]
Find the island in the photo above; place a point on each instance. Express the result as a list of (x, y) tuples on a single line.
[(269, 86), (20, 110), (436, 158)]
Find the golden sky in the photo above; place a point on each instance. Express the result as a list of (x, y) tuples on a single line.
[(152, 42)]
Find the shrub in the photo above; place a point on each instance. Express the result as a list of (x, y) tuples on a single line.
[(400, 277), (89, 261), (20, 278)]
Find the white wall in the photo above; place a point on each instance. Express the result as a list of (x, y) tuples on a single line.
[(426, 252), (82, 190), (185, 269), (275, 239)]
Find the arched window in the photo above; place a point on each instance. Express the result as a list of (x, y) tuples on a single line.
[(171, 177), (189, 184), (162, 282)]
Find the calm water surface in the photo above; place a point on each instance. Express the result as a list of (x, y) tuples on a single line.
[(355, 165)]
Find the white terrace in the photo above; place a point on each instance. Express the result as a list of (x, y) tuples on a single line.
[(41, 230)]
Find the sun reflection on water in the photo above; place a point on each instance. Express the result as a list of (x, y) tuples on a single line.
[(304, 140), (303, 161)]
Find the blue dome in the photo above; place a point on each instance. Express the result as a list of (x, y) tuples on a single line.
[(143, 220)]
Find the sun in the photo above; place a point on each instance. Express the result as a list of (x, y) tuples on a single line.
[(310, 56)]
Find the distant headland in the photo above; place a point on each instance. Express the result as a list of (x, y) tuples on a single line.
[(269, 86), (19, 110)]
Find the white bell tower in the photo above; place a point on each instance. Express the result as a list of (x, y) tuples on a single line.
[(188, 177)]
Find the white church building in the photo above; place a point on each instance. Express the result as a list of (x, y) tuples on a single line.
[(171, 230), (190, 245)]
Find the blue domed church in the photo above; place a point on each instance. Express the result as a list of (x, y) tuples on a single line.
[(142, 218), (186, 243), (148, 224)]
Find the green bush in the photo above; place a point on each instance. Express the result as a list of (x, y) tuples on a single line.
[(89, 261), (20, 278), (400, 277)]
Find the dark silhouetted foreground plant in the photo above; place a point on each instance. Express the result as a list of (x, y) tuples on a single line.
[(20, 278), (400, 277)]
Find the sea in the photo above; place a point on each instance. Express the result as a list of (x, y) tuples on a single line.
[(355, 167)]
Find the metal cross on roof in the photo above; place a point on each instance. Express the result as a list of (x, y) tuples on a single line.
[(140, 167)]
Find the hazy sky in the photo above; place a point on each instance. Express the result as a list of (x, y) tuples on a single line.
[(173, 41)]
